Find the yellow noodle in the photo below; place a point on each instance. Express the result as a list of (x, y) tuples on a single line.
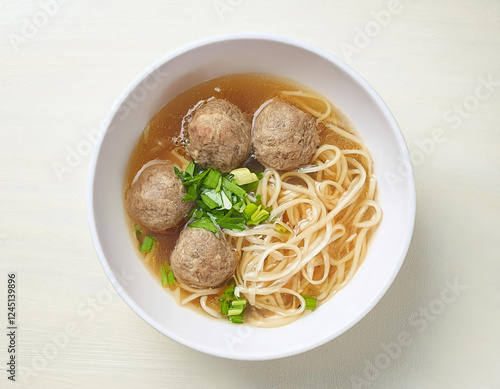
[(328, 209)]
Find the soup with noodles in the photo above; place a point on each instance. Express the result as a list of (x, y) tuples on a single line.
[(321, 215)]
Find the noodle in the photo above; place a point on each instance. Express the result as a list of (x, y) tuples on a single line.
[(321, 220)]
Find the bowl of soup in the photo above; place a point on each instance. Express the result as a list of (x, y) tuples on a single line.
[(245, 197)]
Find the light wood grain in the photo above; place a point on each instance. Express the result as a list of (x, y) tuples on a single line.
[(63, 81)]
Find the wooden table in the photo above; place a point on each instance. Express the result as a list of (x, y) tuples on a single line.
[(437, 66)]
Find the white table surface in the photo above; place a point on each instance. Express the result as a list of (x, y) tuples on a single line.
[(59, 79)]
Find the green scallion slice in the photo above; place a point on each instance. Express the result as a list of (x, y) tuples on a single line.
[(280, 227), (261, 214), (224, 307), (196, 213), (219, 185), (182, 176), (190, 169), (234, 311), (244, 176), (166, 275), (239, 207), (251, 186), (231, 186), (147, 244), (226, 202), (163, 276), (212, 179), (138, 232), (211, 200), (170, 277), (249, 210), (192, 193), (311, 301), (236, 319), (239, 303)]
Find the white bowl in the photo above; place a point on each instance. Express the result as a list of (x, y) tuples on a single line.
[(239, 53)]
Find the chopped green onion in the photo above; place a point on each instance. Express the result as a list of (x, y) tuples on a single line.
[(196, 213), (138, 231), (239, 207), (218, 213), (229, 195), (311, 301), (224, 307), (231, 186), (163, 276), (190, 169), (213, 217), (147, 244), (179, 174), (234, 311), (226, 202), (212, 199), (170, 277), (206, 224), (219, 185), (260, 215), (230, 291), (244, 176), (249, 187), (239, 302), (231, 306), (236, 319), (212, 179), (195, 179), (192, 193), (166, 275), (249, 210), (220, 200), (280, 227), (233, 223), (202, 205)]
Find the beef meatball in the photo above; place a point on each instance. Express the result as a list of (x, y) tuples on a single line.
[(284, 137), (202, 260), (155, 198), (219, 136)]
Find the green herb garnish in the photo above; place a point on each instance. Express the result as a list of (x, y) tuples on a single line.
[(205, 223), (223, 200), (244, 176), (138, 230), (232, 306), (166, 275), (311, 301), (233, 187), (147, 244), (212, 179)]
